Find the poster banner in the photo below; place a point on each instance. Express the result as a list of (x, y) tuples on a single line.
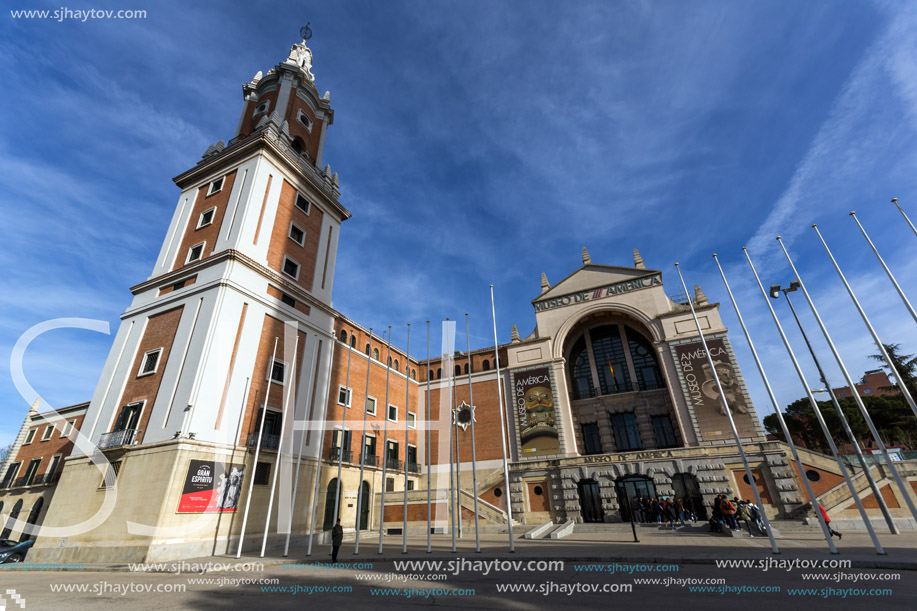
[(533, 397), (703, 397), (209, 488)]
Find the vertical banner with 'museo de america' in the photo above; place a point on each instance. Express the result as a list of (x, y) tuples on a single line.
[(533, 402), (208, 488)]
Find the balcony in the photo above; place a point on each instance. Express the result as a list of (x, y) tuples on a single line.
[(116, 439), (268, 441), (393, 463), (370, 460), (414, 467), (45, 479), (335, 454)]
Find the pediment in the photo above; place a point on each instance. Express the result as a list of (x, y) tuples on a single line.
[(593, 276)]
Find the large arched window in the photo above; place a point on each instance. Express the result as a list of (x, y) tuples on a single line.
[(486, 365), (645, 365), (353, 340), (580, 372), (344, 336), (376, 353), (603, 357)]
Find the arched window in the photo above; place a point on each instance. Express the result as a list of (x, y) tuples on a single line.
[(33, 519), (344, 336), (486, 365), (353, 340), (413, 374), (466, 368), (610, 359), (458, 370), (396, 364), (389, 361), (376, 353), (14, 515), (367, 349), (430, 374), (645, 364), (580, 372), (439, 373)]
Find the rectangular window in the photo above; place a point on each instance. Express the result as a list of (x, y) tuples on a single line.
[(291, 268), (297, 235), (271, 423), (277, 371), (111, 475), (336, 440), (52, 468), (369, 451), (206, 218), (178, 285), (195, 252), (216, 186), (68, 428), (410, 484), (344, 396), (393, 413), (29, 437), (665, 434), (412, 420), (371, 406), (389, 484), (303, 204), (412, 455), (262, 474), (31, 471), (150, 362), (47, 434), (592, 439), (284, 298), (11, 474), (627, 434)]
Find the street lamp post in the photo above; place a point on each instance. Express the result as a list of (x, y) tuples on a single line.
[(775, 291)]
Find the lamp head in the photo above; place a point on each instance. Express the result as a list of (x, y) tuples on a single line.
[(793, 286), (775, 291)]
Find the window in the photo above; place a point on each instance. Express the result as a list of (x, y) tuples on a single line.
[(262, 108), (369, 450), (11, 475), (439, 372), (297, 235), (412, 420), (627, 435), (336, 441), (68, 428), (178, 285), (458, 370), (410, 484), (665, 434), (291, 268), (371, 406), (29, 437), (645, 365), (343, 396), (52, 468), (284, 298), (842, 395), (344, 336), (129, 417), (277, 371), (367, 349), (581, 372), (303, 118), (396, 364), (353, 340), (413, 374), (296, 145), (393, 413), (592, 439), (389, 361), (868, 391), (610, 361), (195, 252), (150, 362), (272, 423), (391, 453), (303, 204), (262, 474), (111, 475), (466, 368), (206, 218), (31, 471), (376, 353), (389, 484), (47, 434), (486, 365), (216, 186)]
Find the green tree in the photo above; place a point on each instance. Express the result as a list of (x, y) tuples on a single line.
[(906, 364)]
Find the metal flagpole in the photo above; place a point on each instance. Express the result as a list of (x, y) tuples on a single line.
[(450, 373), (842, 417), (856, 396), (474, 471), (818, 415), (407, 397), (286, 548), (783, 427), (321, 448), (348, 402), (429, 441), (901, 210), (872, 331), (888, 272), (289, 380), (360, 499), (458, 457), (503, 427), (248, 501), (728, 410), (252, 475), (388, 370)]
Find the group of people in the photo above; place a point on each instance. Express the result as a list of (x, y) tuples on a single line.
[(665, 510), (730, 513)]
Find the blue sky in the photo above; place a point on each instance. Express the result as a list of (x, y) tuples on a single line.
[(477, 143)]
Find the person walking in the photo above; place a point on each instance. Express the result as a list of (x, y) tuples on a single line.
[(680, 511), (637, 507), (337, 537), (657, 511), (755, 514), (729, 511), (824, 514), (716, 517), (742, 516)]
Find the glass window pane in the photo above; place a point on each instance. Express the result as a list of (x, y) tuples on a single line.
[(610, 360), (649, 377), (580, 372)]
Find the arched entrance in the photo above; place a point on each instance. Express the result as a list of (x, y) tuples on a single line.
[(33, 519), (14, 515), (686, 487), (329, 504), (364, 509), (630, 488), (590, 501)]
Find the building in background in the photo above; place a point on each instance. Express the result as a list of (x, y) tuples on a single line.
[(873, 382)]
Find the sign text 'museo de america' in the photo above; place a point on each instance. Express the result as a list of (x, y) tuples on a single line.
[(593, 294)]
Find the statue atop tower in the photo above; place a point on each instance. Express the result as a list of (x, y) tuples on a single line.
[(301, 55)]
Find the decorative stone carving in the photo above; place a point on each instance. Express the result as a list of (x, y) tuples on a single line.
[(301, 56)]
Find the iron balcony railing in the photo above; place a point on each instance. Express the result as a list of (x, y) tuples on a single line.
[(116, 439), (414, 467), (268, 441), (370, 460), (44, 479), (335, 454), (393, 463)]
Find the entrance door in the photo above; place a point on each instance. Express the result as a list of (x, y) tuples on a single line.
[(631, 487), (329, 504), (364, 509), (686, 487), (590, 501)]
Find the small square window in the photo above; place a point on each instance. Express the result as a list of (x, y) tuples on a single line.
[(262, 108), (195, 252), (412, 420), (111, 475), (178, 285), (393, 413), (303, 118), (343, 396), (371, 406), (297, 235), (277, 371), (29, 437), (150, 362), (262, 474), (216, 186), (47, 434), (206, 218), (284, 298), (291, 268), (303, 204)]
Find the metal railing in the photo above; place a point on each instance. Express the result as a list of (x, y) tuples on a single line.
[(117, 439), (370, 460), (268, 441), (414, 467), (335, 454), (393, 463), (44, 479)]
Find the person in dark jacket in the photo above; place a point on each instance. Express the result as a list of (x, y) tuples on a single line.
[(337, 537)]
